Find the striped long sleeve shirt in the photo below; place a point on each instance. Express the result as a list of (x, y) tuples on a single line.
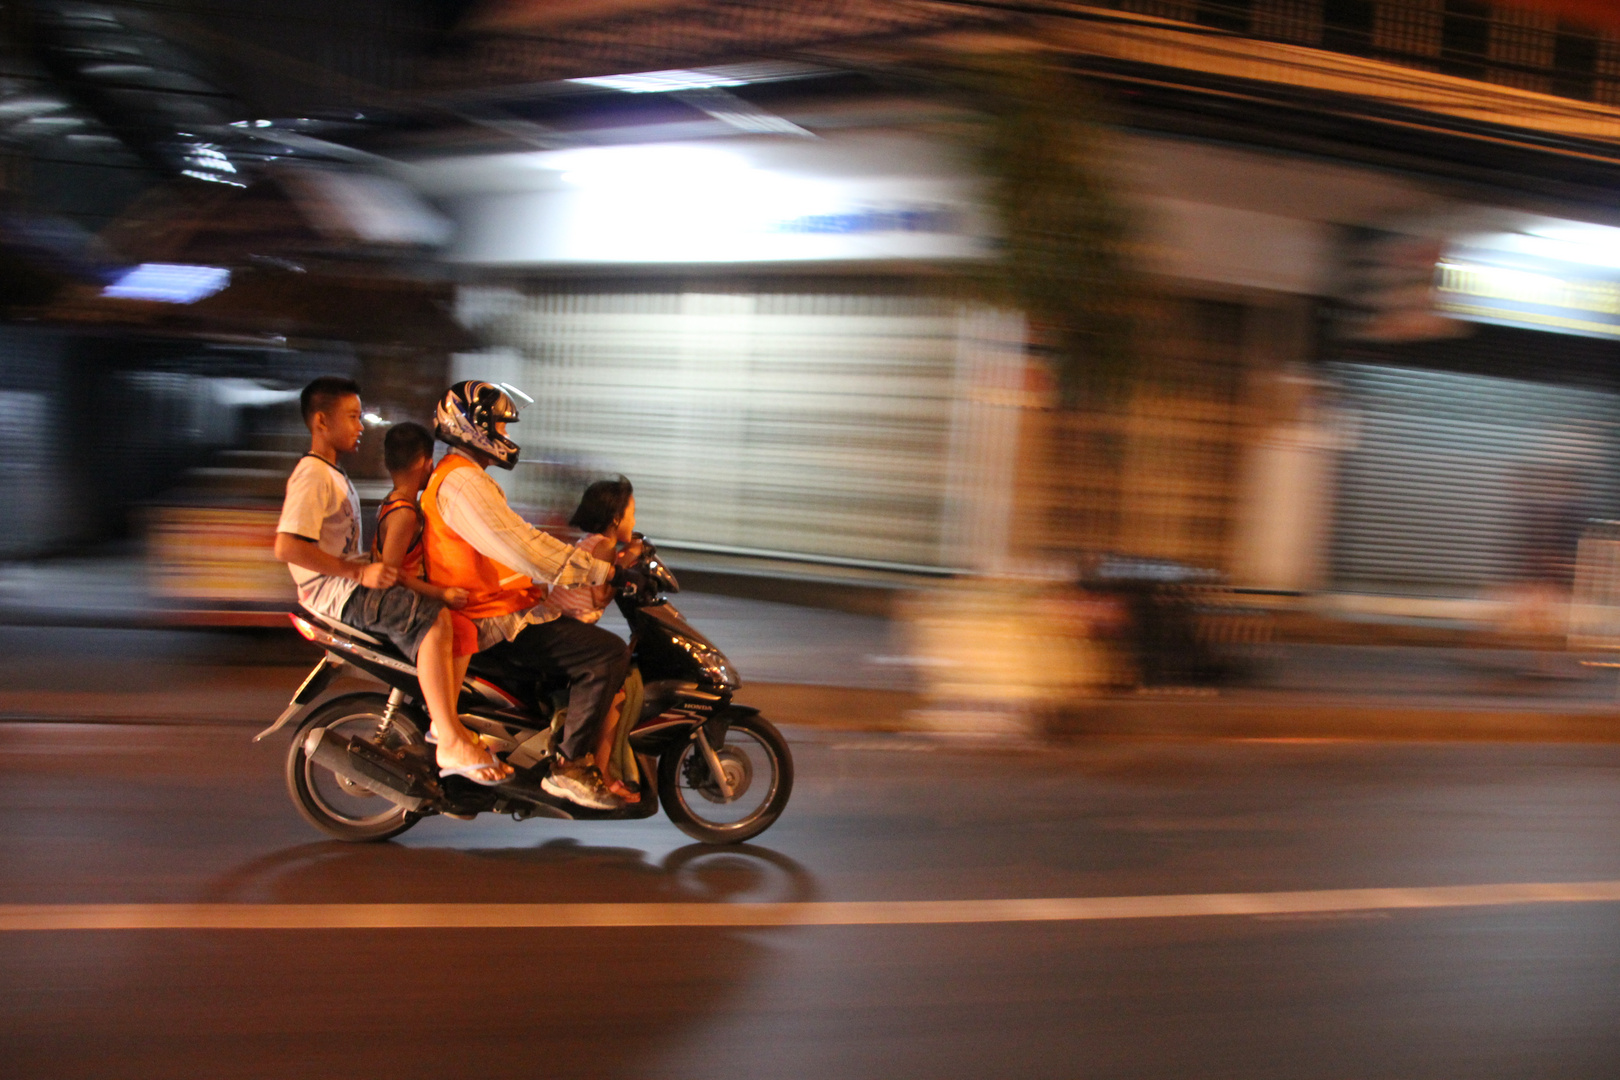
[(473, 504)]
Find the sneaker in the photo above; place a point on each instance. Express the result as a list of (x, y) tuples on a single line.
[(579, 784)]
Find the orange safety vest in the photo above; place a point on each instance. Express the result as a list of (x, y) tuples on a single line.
[(492, 589)]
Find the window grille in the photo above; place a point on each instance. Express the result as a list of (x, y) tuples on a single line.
[(1410, 31), (1575, 62), (1180, 10), (1465, 37), (1475, 39), (1233, 15), (1347, 25), (1521, 49), (1298, 22)]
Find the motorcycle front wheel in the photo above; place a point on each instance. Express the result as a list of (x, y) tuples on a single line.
[(333, 804), (758, 768)]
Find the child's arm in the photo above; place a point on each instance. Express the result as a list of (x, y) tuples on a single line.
[(306, 553), (396, 529)]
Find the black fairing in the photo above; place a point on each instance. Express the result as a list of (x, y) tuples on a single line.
[(662, 644)]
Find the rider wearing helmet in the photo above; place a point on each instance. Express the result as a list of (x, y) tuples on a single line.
[(473, 415), (474, 541)]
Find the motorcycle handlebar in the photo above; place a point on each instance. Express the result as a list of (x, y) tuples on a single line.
[(650, 564)]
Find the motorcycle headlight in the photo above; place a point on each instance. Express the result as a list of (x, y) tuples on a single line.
[(713, 664), (715, 667)]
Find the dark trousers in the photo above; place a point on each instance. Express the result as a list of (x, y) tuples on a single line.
[(596, 662)]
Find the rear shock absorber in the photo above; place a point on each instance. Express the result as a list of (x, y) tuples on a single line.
[(396, 698)]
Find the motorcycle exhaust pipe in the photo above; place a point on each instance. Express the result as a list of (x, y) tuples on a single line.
[(364, 767)]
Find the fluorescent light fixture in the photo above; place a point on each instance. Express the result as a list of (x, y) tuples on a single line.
[(662, 82), (676, 201), (373, 420), (665, 166), (171, 283), (1562, 242)]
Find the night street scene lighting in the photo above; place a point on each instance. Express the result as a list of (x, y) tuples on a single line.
[(905, 538)]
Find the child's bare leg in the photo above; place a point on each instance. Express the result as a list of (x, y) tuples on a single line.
[(604, 740), (436, 668)]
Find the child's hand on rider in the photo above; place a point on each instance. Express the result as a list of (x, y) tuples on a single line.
[(455, 598), (378, 575)]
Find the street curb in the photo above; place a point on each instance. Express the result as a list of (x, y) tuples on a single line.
[(1200, 718), (1305, 719), (837, 708)]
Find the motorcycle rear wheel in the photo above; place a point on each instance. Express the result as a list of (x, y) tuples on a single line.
[(756, 759), (331, 803)]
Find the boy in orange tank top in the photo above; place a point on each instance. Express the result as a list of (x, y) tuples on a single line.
[(408, 453)]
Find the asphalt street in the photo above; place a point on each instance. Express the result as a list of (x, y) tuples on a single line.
[(152, 816)]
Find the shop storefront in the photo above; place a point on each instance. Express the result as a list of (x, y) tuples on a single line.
[(1473, 460), (758, 335)]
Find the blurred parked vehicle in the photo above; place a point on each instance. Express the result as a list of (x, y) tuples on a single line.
[(1175, 622)]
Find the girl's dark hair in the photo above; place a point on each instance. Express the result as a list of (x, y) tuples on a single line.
[(602, 505), (404, 444)]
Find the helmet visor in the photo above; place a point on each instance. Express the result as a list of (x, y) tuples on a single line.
[(511, 404)]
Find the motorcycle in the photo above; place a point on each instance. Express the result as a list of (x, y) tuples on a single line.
[(360, 768)]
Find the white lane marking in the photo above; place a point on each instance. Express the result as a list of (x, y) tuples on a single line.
[(21, 917)]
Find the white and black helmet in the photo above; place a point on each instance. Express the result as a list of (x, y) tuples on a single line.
[(467, 415)]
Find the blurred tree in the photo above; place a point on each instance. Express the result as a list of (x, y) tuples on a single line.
[(1064, 238)]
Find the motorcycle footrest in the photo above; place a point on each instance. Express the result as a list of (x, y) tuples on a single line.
[(525, 788)]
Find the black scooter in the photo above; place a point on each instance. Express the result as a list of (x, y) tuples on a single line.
[(360, 768)]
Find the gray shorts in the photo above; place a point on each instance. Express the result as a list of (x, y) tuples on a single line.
[(402, 616)]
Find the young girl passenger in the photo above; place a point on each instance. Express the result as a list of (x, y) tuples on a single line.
[(607, 516)]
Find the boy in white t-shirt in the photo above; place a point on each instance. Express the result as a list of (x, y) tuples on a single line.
[(318, 537)]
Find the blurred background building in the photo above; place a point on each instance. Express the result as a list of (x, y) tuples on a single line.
[(723, 244)]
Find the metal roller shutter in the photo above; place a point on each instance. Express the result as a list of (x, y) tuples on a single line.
[(809, 424), (1456, 481)]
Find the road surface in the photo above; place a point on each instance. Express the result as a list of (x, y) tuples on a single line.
[(823, 950)]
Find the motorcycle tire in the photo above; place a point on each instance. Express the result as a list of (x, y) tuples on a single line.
[(755, 753), (330, 803)]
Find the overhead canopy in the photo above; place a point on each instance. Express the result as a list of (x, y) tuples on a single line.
[(514, 42)]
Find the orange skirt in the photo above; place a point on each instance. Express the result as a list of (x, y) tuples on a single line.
[(465, 635)]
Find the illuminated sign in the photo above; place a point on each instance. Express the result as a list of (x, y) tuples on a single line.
[(1563, 278), (1520, 297), (736, 201), (171, 283)]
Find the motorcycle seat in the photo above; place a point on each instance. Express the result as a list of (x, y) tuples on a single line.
[(380, 645), (344, 628), (486, 665)]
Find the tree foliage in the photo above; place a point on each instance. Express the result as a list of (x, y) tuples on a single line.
[(1063, 245)]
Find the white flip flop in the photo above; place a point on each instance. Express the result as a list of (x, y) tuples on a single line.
[(467, 771)]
